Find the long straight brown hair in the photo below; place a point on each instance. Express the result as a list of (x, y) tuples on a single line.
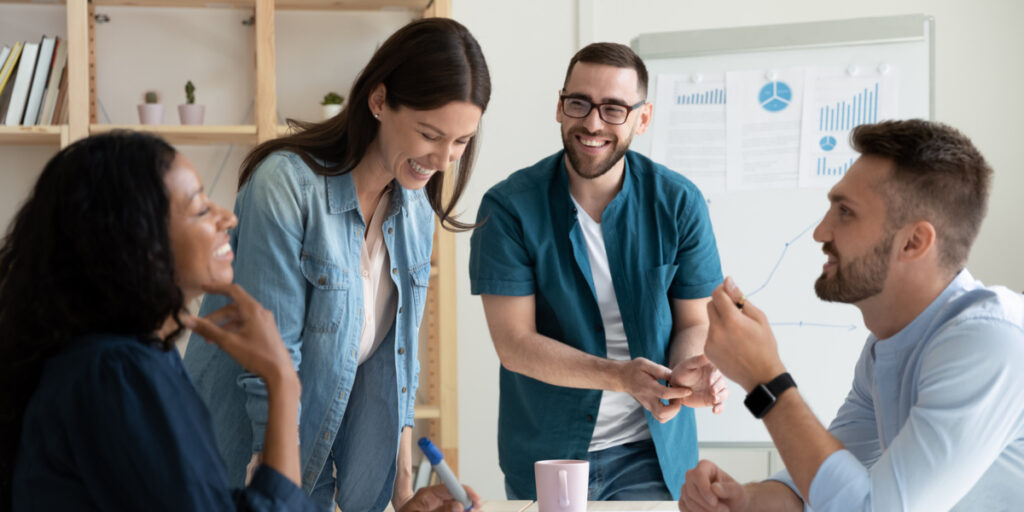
[(424, 65)]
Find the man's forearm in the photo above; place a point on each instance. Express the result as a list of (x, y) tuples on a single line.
[(553, 362), (687, 343), (802, 441), (772, 496)]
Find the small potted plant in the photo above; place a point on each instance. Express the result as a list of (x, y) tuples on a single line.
[(189, 112), (151, 112), (332, 104)]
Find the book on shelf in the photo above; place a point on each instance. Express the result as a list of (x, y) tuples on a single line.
[(60, 59), (5, 74), (19, 92), (4, 53), (44, 62), (60, 112)]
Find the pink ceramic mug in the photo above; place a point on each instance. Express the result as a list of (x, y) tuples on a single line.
[(562, 485)]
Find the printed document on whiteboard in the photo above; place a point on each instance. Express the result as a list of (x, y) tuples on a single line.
[(763, 118), (837, 99), (689, 127)]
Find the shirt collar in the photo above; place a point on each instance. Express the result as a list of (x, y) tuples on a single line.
[(562, 183), (342, 197), (911, 334)]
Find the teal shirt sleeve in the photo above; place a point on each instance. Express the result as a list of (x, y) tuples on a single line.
[(499, 263), (699, 270)]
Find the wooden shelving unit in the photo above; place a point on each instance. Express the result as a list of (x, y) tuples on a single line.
[(438, 331)]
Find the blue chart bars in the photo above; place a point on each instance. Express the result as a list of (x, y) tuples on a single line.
[(712, 97), (863, 108), (823, 168)]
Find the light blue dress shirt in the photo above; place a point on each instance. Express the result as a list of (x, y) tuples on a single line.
[(935, 419), (298, 246)]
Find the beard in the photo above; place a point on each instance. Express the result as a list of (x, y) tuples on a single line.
[(583, 165), (860, 278)]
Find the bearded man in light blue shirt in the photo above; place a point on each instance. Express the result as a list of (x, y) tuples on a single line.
[(934, 420)]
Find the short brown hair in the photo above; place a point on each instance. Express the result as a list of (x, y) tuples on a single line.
[(937, 175), (611, 54)]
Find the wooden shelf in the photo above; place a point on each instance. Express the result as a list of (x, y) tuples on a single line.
[(33, 135), (189, 134), (426, 412), (334, 5)]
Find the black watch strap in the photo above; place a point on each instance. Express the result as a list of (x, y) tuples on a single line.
[(762, 398)]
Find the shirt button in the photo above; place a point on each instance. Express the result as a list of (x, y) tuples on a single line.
[(403, 389), (341, 396), (327, 435), (394, 271), (390, 230), (399, 309), (323, 280), (590, 418), (401, 351), (353, 353)]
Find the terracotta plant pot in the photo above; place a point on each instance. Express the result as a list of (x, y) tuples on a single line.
[(151, 113), (191, 113)]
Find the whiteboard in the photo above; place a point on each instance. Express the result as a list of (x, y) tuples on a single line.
[(765, 236)]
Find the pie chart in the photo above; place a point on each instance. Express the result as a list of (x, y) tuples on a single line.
[(775, 96), (828, 143)]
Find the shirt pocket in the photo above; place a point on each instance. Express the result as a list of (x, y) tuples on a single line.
[(326, 300), (659, 280), (419, 279)]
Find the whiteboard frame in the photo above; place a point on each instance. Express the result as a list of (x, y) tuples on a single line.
[(795, 36)]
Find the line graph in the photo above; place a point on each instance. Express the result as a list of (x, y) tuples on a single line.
[(781, 257), (768, 280)]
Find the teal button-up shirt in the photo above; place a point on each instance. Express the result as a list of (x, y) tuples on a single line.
[(660, 246)]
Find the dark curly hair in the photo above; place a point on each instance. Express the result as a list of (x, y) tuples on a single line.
[(88, 252)]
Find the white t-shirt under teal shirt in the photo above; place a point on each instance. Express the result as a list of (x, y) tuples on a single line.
[(620, 419)]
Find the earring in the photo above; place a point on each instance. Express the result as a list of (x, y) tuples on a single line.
[(376, 116)]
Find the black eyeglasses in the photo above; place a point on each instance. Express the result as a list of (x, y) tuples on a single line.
[(611, 113)]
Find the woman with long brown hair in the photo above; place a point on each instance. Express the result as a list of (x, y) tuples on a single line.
[(334, 237)]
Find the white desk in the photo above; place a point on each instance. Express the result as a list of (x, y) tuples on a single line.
[(610, 506)]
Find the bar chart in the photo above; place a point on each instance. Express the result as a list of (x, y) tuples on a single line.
[(709, 97), (824, 169), (846, 114)]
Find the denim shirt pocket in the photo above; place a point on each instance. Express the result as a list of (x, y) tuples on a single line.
[(328, 284), (419, 275), (659, 280)]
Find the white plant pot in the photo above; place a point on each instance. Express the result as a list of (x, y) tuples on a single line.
[(151, 113), (191, 113), (331, 110)]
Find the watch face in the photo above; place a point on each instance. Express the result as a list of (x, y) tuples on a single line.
[(759, 401)]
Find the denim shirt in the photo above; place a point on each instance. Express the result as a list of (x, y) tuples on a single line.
[(297, 249), (660, 247)]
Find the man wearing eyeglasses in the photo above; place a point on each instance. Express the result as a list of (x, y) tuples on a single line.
[(595, 266)]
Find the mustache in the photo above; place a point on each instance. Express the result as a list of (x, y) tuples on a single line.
[(583, 131)]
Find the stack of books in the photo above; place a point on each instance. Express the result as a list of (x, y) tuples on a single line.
[(33, 83)]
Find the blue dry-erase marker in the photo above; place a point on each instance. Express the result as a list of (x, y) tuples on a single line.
[(444, 473)]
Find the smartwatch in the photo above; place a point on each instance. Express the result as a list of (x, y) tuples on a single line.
[(762, 398)]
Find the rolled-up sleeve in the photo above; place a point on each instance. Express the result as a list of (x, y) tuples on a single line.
[(499, 263)]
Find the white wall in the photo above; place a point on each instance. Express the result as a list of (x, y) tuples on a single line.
[(528, 45)]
